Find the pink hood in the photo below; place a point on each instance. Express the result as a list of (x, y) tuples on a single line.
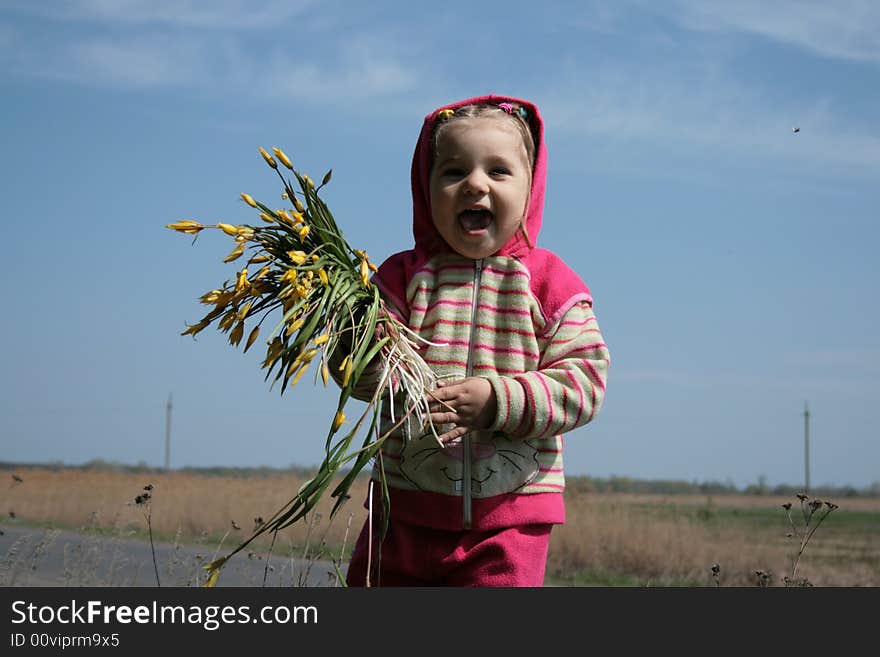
[(554, 284), (426, 236)]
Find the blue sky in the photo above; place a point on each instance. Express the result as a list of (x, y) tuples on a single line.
[(732, 261)]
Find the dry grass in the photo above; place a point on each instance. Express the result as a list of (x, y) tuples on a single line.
[(191, 506), (668, 540), (609, 539)]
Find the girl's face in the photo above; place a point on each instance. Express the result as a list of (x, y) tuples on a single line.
[(479, 185)]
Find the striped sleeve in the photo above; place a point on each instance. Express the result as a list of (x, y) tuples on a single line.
[(567, 389)]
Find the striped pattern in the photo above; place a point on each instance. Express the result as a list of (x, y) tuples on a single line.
[(548, 379)]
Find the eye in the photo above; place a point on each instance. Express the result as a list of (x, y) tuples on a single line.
[(500, 171), (452, 172)]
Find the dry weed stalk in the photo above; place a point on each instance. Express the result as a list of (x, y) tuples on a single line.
[(804, 533), (144, 502)]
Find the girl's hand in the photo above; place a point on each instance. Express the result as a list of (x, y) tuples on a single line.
[(468, 404)]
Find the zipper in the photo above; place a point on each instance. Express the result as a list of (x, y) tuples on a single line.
[(466, 469)]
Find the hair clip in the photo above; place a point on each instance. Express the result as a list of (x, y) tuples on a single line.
[(445, 113), (510, 109)]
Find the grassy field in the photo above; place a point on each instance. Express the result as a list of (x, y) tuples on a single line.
[(610, 539)]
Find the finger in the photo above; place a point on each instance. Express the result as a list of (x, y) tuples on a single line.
[(444, 417), (440, 401), (453, 434)]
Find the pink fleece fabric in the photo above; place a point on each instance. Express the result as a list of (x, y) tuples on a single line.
[(422, 556)]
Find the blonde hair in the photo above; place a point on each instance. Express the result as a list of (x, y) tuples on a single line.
[(486, 111)]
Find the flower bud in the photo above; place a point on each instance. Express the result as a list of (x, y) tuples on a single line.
[(284, 159), (252, 338), (269, 159), (186, 226)]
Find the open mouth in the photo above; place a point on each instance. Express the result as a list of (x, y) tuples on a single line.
[(475, 219)]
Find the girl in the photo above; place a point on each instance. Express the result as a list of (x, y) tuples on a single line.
[(514, 337)]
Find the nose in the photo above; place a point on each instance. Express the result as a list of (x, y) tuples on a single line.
[(477, 182)]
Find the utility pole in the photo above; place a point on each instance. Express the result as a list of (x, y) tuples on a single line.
[(168, 434), (806, 449)]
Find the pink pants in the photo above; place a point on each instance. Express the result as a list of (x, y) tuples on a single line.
[(420, 556)]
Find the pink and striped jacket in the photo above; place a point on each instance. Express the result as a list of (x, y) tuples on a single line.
[(523, 320)]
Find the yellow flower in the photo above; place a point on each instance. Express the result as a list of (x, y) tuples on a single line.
[(308, 181), (302, 232), (293, 367), (284, 159), (325, 373), (346, 376), (321, 339), (269, 159), (265, 217), (252, 338), (236, 253), (237, 334), (186, 226), (273, 351), (297, 218), (211, 296), (299, 374), (262, 272), (247, 198), (295, 326), (259, 258), (338, 420), (213, 569), (195, 328), (244, 233), (299, 206), (323, 276), (229, 229), (243, 311), (307, 356), (297, 257), (227, 321), (290, 276), (365, 273), (241, 281)]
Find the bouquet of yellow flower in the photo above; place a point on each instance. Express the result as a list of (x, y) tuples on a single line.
[(301, 270)]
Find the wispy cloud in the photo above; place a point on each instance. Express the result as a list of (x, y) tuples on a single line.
[(708, 109), (183, 13), (140, 62), (361, 69), (848, 29), (320, 67)]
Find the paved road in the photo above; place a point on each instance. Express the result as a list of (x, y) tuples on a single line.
[(49, 557)]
